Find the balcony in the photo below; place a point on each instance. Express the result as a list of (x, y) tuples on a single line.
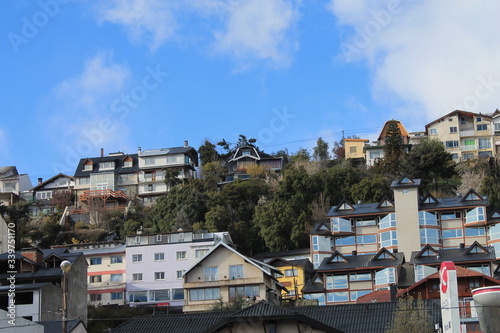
[(224, 280), (467, 132), (103, 194)]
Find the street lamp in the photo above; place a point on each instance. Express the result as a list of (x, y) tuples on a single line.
[(65, 267)]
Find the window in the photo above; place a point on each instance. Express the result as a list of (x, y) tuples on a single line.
[(358, 293), (352, 150), (200, 253), (388, 238), (245, 153), (204, 293), (187, 159), (451, 216), (483, 269), (95, 279), (244, 291), (336, 281), (159, 295), (474, 283), (497, 126), (422, 271), (180, 255), (429, 236), (365, 222), (361, 276), (159, 275), (475, 215), (160, 256), (482, 127), (387, 221), (374, 155), (95, 297), (474, 232), (479, 119), (106, 165), (315, 242), (116, 277), (385, 276), (338, 296), (95, 261), (210, 274), (177, 293), (494, 232), (44, 195), (291, 272), (137, 277), (149, 187), (149, 161), (137, 258), (453, 129), (484, 143), (452, 144), (127, 164), (454, 156), (468, 156), (452, 233), (341, 225), (179, 274), (138, 296), (236, 272), (116, 259), (87, 167), (433, 131), (427, 218), (344, 241), (483, 154), (116, 296), (84, 181), (366, 239)]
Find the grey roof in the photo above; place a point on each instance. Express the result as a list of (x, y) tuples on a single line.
[(406, 275), (361, 261), (118, 159), (8, 171), (101, 250), (172, 151), (361, 209), (458, 256), (54, 326), (59, 175)]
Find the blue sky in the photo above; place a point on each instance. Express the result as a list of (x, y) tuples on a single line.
[(77, 76)]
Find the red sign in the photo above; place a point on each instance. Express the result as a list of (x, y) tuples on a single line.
[(443, 273)]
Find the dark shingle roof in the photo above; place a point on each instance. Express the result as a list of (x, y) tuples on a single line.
[(118, 159), (460, 255), (360, 262)]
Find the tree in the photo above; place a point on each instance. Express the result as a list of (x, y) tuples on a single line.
[(411, 316), (172, 177), (338, 149), (208, 153), (301, 155), (320, 152), (371, 189), (430, 162), (19, 214), (394, 152)]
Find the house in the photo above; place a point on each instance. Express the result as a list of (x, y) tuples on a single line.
[(106, 271), (223, 274), (12, 184), (38, 284), (53, 194), (442, 223), (155, 264), (343, 279), (354, 148), (153, 162), (465, 135), (246, 157), (496, 131), (296, 274), (376, 151)]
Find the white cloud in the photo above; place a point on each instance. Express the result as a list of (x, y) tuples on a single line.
[(426, 58), (150, 22), (260, 30)]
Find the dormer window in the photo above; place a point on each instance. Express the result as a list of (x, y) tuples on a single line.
[(87, 167), (127, 164), (106, 165)]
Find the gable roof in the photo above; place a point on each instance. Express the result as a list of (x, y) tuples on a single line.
[(118, 159), (402, 129), (362, 261), (8, 171), (59, 175), (460, 255), (460, 113), (265, 268)]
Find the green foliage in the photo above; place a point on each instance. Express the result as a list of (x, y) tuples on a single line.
[(491, 187), (411, 316), (171, 177), (339, 180), (320, 152), (130, 227), (394, 154), (103, 317), (208, 153), (81, 225), (302, 155), (19, 214), (371, 189), (430, 162), (234, 304)]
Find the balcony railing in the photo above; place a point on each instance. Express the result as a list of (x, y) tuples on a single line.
[(467, 132), (104, 194)]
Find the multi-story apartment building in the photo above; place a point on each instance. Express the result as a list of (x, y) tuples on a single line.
[(156, 264), (465, 135), (12, 184), (106, 271), (223, 273), (152, 164), (442, 223)]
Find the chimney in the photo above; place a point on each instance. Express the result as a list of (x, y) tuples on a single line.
[(462, 245), (354, 253), (139, 150), (102, 152), (33, 254), (40, 181), (186, 143)]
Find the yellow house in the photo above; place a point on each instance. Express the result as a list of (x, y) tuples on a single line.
[(223, 273), (354, 148), (296, 273)]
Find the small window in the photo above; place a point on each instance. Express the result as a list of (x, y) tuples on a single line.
[(150, 187), (84, 181), (245, 153), (149, 160), (95, 297), (158, 238), (433, 131), (159, 275), (87, 167), (180, 255), (95, 279), (127, 164), (479, 119), (116, 259), (116, 296), (482, 127), (137, 258), (352, 150), (137, 277), (95, 261), (106, 165), (116, 277), (201, 253), (453, 129), (159, 256), (179, 274), (291, 272)]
